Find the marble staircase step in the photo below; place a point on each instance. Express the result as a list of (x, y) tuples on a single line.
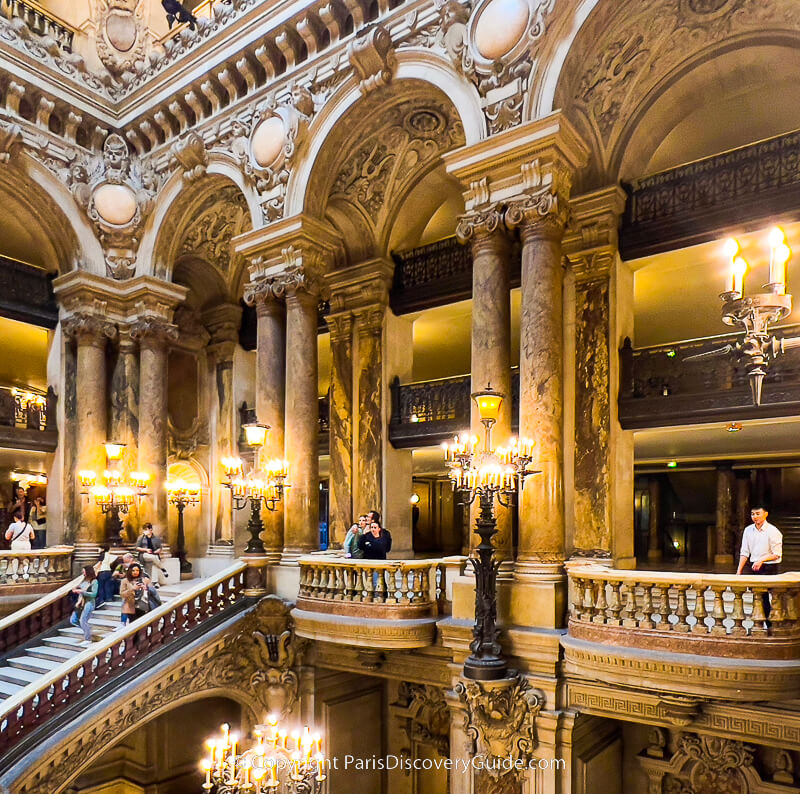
[(15, 675), (33, 664), (8, 689), (52, 653)]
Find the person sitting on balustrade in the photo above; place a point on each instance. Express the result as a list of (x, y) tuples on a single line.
[(762, 545), (149, 548)]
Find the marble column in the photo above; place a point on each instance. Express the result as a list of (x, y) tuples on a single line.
[(742, 503), (491, 340), (541, 521), (602, 470), (341, 509), (124, 419), (91, 414), (369, 461), (271, 398), (654, 544), (223, 323), (153, 336), (301, 525), (724, 536)]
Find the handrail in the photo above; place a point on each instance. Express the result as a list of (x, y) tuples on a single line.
[(687, 612), (38, 616), (102, 661)]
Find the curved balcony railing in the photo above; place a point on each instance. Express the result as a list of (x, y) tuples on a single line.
[(35, 568), (396, 589), (709, 614), (41, 21), (50, 694)]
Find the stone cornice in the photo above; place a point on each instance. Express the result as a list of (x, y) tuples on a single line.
[(361, 286)]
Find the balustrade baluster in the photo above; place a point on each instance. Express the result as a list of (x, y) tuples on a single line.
[(792, 610), (315, 574), (647, 607), (614, 605), (758, 611), (628, 613), (777, 615), (718, 628), (738, 615), (587, 611), (600, 604), (663, 608), (700, 611), (682, 610)]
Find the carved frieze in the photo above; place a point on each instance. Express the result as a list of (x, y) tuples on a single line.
[(424, 716), (500, 723)]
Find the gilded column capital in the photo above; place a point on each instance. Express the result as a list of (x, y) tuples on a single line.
[(86, 327), (299, 283), (542, 214), (261, 292), (370, 320)]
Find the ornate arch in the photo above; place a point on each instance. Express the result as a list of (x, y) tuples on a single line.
[(181, 195), (68, 237)]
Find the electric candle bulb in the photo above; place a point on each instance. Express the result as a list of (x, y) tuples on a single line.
[(737, 275), (776, 236), (730, 248)]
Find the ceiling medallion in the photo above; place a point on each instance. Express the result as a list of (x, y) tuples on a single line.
[(425, 123)]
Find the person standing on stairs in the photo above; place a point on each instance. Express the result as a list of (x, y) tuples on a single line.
[(87, 597)]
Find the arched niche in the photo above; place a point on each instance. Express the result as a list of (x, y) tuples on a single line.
[(667, 81), (195, 517)]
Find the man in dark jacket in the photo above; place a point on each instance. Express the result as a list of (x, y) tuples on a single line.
[(376, 542), (149, 548)]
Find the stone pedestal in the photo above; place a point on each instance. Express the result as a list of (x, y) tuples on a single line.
[(491, 342)]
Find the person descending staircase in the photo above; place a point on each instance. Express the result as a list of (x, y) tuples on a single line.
[(52, 649)]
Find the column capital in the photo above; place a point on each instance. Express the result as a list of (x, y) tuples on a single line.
[(480, 223), (591, 241), (88, 327), (360, 286), (153, 331), (223, 322), (298, 283), (340, 326), (370, 320), (262, 294)]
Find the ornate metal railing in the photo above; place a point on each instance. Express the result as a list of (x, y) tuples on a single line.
[(42, 22), (27, 408), (711, 614), (43, 614), (432, 411), (34, 568), (693, 203), (247, 414), (659, 387), (49, 695), (392, 589)]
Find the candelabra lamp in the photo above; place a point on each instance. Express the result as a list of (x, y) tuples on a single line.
[(258, 487), (182, 495), (117, 491), (754, 314), (487, 474), (279, 762)]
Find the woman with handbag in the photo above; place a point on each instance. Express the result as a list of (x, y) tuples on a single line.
[(20, 533), (84, 607), (134, 593)]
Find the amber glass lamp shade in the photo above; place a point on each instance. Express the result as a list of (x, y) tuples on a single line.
[(488, 402)]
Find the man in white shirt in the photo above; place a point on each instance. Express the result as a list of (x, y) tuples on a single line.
[(762, 544)]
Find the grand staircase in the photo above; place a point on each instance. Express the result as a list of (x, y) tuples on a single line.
[(50, 650), (790, 527)]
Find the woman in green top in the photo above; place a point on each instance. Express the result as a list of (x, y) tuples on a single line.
[(350, 544), (87, 595)]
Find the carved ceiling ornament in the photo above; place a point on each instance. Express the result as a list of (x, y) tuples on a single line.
[(622, 55), (190, 155), (209, 233), (500, 723), (405, 140), (371, 54), (120, 33), (10, 141), (117, 192)]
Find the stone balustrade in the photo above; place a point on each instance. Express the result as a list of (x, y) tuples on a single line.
[(386, 603), (51, 566), (42, 21), (709, 614)]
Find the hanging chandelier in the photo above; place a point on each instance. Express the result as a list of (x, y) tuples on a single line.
[(279, 763), (754, 314)]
